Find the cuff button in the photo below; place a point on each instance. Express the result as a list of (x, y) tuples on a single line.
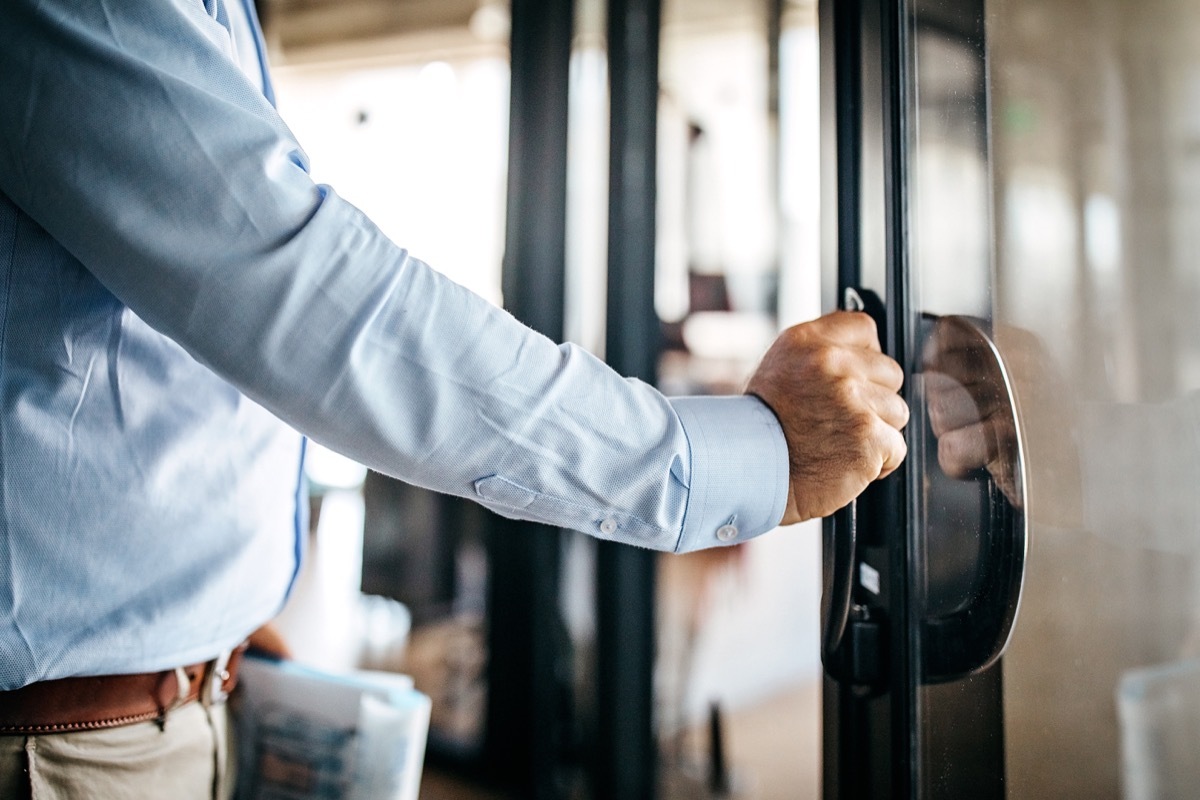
[(727, 533), (608, 527)]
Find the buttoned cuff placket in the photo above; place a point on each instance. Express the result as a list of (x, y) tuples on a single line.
[(738, 483)]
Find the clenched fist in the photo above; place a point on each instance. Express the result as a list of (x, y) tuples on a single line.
[(835, 394)]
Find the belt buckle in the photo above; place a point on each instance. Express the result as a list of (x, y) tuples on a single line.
[(218, 676)]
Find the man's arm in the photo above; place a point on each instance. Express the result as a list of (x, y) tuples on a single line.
[(133, 139)]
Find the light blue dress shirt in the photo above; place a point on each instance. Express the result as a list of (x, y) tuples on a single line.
[(178, 298)]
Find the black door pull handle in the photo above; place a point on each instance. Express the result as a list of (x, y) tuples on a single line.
[(841, 562)]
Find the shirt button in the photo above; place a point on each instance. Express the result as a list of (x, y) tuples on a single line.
[(727, 533), (608, 527)]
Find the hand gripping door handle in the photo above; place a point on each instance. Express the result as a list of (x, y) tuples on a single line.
[(837, 599)]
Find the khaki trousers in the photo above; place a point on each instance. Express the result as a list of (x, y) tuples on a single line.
[(190, 758)]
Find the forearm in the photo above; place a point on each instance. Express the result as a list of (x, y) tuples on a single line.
[(136, 143)]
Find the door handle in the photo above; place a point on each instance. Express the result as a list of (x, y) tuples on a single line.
[(973, 514), (851, 640), (975, 533)]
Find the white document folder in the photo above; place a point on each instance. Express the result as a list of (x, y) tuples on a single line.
[(306, 734)]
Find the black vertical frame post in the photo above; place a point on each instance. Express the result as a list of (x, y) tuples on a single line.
[(525, 713), (774, 32), (895, 44), (626, 762), (871, 733), (847, 76), (921, 732), (853, 756), (632, 343)]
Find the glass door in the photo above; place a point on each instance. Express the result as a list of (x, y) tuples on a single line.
[(1096, 197), (1013, 190), (925, 569)]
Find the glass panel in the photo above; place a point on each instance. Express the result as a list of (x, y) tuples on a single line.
[(1053, 193), (967, 526), (1096, 195)]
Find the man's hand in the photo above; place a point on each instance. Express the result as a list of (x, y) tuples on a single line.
[(835, 394)]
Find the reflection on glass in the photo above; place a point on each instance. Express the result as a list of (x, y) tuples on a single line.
[(969, 538), (972, 502)]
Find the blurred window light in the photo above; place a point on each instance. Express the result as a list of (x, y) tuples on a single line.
[(420, 148), (327, 470), (491, 22), (1102, 233)]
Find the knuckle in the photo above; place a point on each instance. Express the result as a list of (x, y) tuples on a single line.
[(797, 335), (902, 412), (888, 445), (826, 360), (861, 320), (882, 434), (848, 395), (866, 434)]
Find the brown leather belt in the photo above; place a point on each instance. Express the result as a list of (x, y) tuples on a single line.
[(108, 701)]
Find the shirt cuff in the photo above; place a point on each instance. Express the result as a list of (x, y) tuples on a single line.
[(739, 475)]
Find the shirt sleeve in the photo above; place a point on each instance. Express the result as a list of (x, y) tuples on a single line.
[(131, 136)]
